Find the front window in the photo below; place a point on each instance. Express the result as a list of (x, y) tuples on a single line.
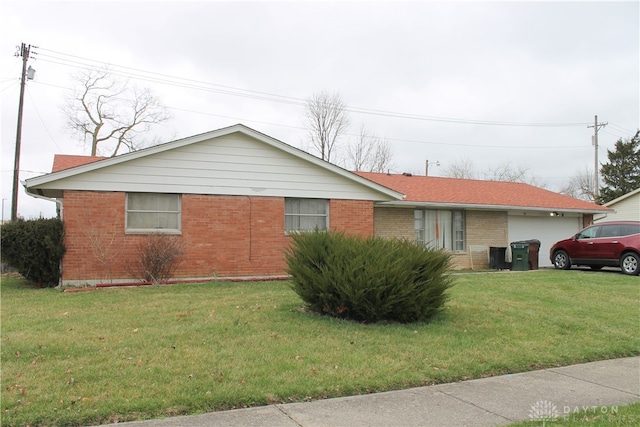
[(153, 212), (306, 214), (589, 233), (440, 229)]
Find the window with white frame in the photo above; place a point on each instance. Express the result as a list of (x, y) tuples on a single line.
[(153, 212), (440, 229), (306, 214)]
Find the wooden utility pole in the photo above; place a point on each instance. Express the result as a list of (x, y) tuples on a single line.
[(596, 180), (24, 51)]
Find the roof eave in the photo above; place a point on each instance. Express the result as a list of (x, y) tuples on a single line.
[(417, 204)]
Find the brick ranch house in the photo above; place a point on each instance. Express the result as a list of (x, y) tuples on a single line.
[(233, 195)]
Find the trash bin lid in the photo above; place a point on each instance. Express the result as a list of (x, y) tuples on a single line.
[(527, 242)]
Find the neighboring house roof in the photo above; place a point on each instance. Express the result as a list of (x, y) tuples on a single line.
[(437, 191), (236, 160), (66, 161)]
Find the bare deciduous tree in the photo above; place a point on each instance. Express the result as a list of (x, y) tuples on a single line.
[(462, 169), (580, 186), (327, 119), (158, 257), (369, 153), (109, 115), (506, 171), (103, 243)]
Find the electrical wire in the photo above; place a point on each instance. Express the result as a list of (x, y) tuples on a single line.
[(621, 129), (34, 105), (124, 71), (243, 120), (10, 85)]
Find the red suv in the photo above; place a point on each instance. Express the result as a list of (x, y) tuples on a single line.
[(614, 244)]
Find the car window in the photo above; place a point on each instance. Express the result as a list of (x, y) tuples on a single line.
[(588, 233), (611, 230), (628, 229)]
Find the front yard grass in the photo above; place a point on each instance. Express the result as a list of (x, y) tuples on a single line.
[(135, 353)]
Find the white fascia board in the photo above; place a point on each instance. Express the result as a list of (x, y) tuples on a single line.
[(411, 204)]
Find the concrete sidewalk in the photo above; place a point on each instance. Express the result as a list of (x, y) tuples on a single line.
[(546, 394)]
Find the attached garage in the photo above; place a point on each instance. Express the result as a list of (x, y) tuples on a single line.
[(548, 229)]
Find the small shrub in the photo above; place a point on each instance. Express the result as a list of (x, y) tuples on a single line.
[(159, 256), (368, 279), (34, 248)]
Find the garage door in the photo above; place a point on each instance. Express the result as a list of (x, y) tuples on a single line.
[(544, 228)]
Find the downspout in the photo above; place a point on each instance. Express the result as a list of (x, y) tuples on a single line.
[(250, 229)]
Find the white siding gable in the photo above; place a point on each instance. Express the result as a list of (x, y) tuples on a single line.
[(627, 208), (235, 163)]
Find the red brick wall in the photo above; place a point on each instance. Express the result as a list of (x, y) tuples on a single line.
[(223, 235), (351, 216), (94, 236)]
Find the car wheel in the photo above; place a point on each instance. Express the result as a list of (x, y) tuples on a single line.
[(630, 263), (561, 260)]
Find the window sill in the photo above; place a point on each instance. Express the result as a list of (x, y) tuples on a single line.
[(154, 231)]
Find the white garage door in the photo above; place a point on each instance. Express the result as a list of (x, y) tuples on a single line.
[(544, 228)]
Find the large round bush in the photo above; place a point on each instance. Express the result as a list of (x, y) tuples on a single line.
[(368, 279), (35, 248)]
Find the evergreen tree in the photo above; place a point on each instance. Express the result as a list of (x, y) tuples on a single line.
[(621, 174)]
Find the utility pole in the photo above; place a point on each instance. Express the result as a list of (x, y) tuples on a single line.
[(24, 51), (426, 166), (596, 180)]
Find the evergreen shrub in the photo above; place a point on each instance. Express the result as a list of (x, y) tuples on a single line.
[(34, 248), (368, 279)]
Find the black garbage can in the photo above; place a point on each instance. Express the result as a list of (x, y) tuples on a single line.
[(497, 258)]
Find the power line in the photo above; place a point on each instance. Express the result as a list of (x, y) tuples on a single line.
[(35, 107), (621, 129), (270, 97), (12, 84), (243, 119)]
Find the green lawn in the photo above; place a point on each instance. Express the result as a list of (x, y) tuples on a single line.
[(134, 353)]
